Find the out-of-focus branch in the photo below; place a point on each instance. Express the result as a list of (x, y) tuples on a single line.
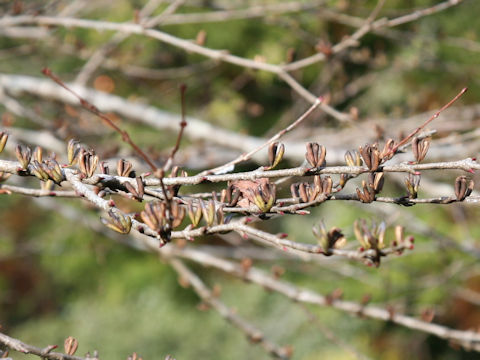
[(44, 353), (220, 55), (252, 12), (367, 27), (468, 339), (253, 334)]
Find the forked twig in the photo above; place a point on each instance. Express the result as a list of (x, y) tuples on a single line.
[(94, 110), (246, 156)]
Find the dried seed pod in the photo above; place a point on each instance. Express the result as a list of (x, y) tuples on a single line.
[(371, 156), (387, 152), (315, 154), (140, 187), (104, 168), (463, 187), (343, 180), (54, 171), (327, 184), (208, 211), (178, 213), (230, 196), (375, 181), (131, 189), (3, 140), (220, 216), (332, 239), (87, 162), (367, 195), (37, 170), (275, 154), (124, 168), (358, 230), (294, 190), (412, 182), (73, 150), (370, 237), (223, 194), (70, 345), (194, 215), (264, 196), (118, 222), (302, 191), (155, 216), (420, 148), (24, 155), (352, 158), (38, 154)]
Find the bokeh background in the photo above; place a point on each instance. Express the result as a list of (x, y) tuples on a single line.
[(60, 278)]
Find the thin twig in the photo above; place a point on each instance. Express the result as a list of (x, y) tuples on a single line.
[(94, 110), (247, 156), (44, 353), (468, 339)]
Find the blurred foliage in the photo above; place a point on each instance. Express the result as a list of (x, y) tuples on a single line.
[(58, 279)]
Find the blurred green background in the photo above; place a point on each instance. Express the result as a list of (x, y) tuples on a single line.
[(59, 278)]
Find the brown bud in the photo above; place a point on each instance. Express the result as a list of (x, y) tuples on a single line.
[(178, 213), (294, 190), (343, 180), (137, 192), (118, 222), (367, 194), (412, 182), (24, 154), (264, 196), (463, 187), (154, 215), (52, 168), (302, 191), (371, 156), (73, 149), (315, 154), (70, 345), (352, 158), (38, 154), (275, 154), (375, 181), (387, 152), (3, 140), (220, 216), (87, 162), (208, 211), (194, 215), (230, 195), (37, 170), (420, 148), (124, 168), (332, 239), (104, 169)]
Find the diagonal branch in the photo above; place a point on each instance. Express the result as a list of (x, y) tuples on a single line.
[(253, 334)]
